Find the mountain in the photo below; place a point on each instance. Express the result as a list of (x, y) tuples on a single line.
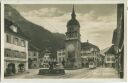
[(104, 50), (38, 35)]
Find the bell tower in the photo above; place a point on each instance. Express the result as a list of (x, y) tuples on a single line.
[(73, 43)]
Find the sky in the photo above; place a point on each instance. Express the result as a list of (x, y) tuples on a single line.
[(97, 21)]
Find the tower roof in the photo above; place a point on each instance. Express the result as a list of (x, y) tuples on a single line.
[(73, 15), (73, 20)]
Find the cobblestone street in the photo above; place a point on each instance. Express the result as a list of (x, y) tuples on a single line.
[(75, 74)]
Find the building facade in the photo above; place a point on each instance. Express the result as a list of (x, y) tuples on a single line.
[(33, 56), (118, 40), (61, 56), (109, 60), (90, 54), (73, 43), (110, 55), (15, 49)]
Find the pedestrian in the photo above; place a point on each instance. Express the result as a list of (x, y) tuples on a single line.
[(63, 63)]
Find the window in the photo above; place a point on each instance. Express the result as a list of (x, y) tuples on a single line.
[(63, 53), (15, 54), (19, 42), (60, 54), (16, 41), (63, 58), (45, 58), (8, 38), (59, 59), (46, 61), (34, 53), (7, 52), (23, 54), (23, 43), (108, 59), (113, 59), (35, 59)]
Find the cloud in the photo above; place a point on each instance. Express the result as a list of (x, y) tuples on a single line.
[(44, 12), (95, 28)]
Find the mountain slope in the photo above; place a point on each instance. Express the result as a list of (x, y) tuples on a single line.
[(41, 37), (104, 50)]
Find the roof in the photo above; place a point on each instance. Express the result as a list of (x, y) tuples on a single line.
[(111, 50), (19, 33), (118, 35), (114, 39), (73, 22), (87, 45)]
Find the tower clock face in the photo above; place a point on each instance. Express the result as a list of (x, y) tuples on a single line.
[(70, 47)]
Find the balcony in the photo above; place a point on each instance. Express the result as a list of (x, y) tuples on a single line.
[(14, 54)]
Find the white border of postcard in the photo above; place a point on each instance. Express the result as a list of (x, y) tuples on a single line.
[(62, 2)]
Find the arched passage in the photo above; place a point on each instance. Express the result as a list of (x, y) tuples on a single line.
[(21, 67), (11, 68)]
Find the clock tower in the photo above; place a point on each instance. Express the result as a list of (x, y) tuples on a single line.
[(73, 43)]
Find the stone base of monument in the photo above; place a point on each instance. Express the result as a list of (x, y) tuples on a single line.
[(72, 68), (46, 71)]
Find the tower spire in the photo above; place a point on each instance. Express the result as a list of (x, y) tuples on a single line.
[(73, 13)]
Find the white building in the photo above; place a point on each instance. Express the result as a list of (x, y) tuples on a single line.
[(33, 56), (90, 54), (110, 57), (16, 49), (61, 56), (109, 60)]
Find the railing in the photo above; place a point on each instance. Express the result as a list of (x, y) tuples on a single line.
[(14, 54)]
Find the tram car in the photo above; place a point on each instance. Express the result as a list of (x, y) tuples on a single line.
[(92, 65)]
